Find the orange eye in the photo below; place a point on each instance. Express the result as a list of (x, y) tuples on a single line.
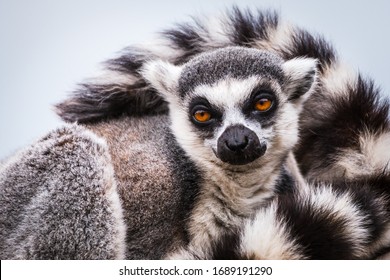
[(202, 116), (263, 104)]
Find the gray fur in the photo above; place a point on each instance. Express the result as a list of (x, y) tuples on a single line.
[(156, 196), (63, 197), (59, 200), (232, 62)]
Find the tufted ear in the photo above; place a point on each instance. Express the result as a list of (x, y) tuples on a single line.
[(301, 76), (164, 77)]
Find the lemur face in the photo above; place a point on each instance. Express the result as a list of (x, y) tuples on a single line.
[(234, 117), (234, 106)]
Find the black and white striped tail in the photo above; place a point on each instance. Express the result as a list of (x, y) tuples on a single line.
[(343, 221)]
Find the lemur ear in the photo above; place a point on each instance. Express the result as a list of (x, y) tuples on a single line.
[(163, 76), (301, 76)]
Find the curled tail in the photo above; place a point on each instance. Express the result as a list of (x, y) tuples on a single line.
[(340, 221), (120, 89)]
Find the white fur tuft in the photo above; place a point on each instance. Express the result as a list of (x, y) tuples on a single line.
[(163, 76), (372, 157), (265, 237), (302, 76)]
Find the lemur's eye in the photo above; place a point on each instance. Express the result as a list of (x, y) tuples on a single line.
[(202, 116), (263, 104)]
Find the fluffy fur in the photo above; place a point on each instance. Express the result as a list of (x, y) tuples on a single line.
[(54, 196), (320, 221), (83, 193), (346, 127), (156, 197)]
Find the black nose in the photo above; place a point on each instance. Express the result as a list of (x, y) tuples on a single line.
[(239, 145), (237, 142)]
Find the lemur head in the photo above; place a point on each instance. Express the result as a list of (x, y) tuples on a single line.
[(234, 106)]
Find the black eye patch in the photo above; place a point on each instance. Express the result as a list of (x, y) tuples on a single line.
[(254, 107), (200, 106)]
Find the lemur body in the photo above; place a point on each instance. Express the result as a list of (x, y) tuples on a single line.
[(234, 111), (344, 125)]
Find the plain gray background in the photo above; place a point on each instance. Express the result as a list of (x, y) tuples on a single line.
[(46, 47)]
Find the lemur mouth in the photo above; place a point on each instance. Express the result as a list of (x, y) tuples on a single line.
[(239, 145)]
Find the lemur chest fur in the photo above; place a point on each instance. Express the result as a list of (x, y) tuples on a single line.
[(232, 195), (229, 200)]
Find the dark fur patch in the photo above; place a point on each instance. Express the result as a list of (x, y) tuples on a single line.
[(320, 234), (266, 118), (285, 183), (360, 109), (307, 45), (186, 38), (247, 27), (130, 61), (365, 193), (205, 130), (381, 252), (92, 103), (226, 248), (186, 176)]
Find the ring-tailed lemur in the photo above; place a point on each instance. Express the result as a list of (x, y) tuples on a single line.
[(234, 111), (344, 126)]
